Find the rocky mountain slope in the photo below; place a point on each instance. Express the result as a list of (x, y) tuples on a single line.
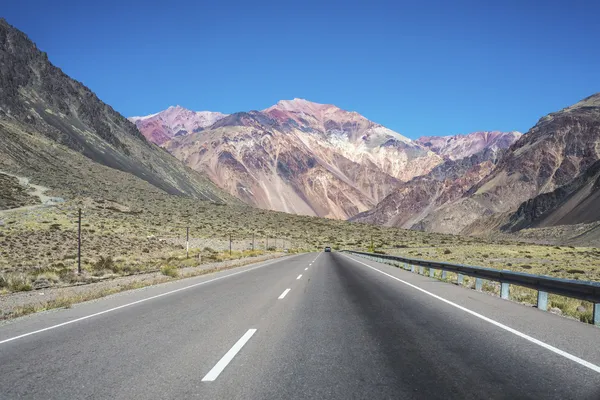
[(174, 121), (577, 202), (303, 157), (461, 146), (414, 200), (560, 147), (57, 132)]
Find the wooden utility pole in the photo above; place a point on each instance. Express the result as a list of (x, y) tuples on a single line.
[(79, 244), (230, 244), (187, 243)]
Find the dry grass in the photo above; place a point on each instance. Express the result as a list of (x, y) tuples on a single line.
[(140, 236), (68, 301), (488, 256), (124, 234)]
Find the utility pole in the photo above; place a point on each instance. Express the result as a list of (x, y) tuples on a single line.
[(79, 244), (267, 248), (372, 248), (187, 243), (230, 244), (252, 241)]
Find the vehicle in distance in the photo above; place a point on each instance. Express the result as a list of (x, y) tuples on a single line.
[(327, 249)]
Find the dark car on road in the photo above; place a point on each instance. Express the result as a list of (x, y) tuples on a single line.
[(327, 249)]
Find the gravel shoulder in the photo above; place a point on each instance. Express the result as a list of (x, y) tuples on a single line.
[(21, 303)]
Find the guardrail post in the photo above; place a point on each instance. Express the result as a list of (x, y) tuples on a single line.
[(459, 279), (478, 284), (504, 290), (444, 274), (412, 268), (431, 273), (542, 301), (596, 315), (421, 271)]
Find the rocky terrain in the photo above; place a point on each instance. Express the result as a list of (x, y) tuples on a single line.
[(317, 159), (411, 201), (300, 157), (58, 133), (561, 146), (577, 202), (174, 121), (63, 149), (461, 146), (545, 178)]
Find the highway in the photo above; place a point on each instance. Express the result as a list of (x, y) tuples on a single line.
[(308, 326)]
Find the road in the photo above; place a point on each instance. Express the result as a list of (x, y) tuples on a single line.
[(310, 326)]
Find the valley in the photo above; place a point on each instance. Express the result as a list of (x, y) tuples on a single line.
[(258, 184)]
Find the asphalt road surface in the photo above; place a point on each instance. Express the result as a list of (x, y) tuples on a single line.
[(310, 326)]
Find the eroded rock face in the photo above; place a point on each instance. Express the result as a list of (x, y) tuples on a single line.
[(38, 98), (560, 147), (173, 122), (303, 157), (461, 146), (412, 201), (577, 202)]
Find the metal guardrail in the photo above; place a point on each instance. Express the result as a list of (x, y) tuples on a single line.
[(582, 290)]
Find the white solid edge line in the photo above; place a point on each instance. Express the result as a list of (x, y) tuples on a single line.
[(553, 349), (286, 291), (299, 276), (135, 302), (223, 362)]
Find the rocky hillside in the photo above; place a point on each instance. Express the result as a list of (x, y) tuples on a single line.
[(58, 132), (414, 200), (577, 202), (174, 121), (461, 146), (303, 157), (560, 147)]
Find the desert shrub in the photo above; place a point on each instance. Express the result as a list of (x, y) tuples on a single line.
[(104, 263), (19, 283), (170, 270), (575, 271), (447, 251)]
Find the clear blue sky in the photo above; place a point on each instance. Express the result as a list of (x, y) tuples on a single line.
[(420, 68)]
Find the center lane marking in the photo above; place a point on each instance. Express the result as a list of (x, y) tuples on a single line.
[(286, 291), (299, 276), (141, 300), (223, 362), (306, 269)]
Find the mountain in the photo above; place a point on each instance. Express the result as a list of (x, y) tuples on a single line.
[(461, 146), (303, 157), (56, 131), (560, 147), (577, 202), (412, 201), (174, 121)]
